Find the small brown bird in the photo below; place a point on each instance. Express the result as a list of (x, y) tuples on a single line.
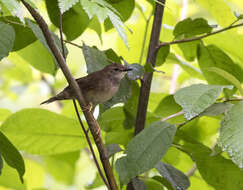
[(97, 87)]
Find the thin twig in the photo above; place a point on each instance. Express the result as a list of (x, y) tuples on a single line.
[(198, 37), (78, 115), (191, 171), (90, 145), (173, 115), (93, 124), (66, 41)]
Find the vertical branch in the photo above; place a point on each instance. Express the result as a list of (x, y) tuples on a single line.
[(93, 124), (78, 115), (151, 57)]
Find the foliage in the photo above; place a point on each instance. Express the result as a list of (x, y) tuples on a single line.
[(199, 123)]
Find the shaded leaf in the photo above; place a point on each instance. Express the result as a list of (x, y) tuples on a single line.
[(7, 39), (39, 131), (162, 55), (1, 163), (12, 156), (196, 98), (191, 27), (137, 71), (143, 153), (112, 149), (138, 184), (217, 109), (230, 136), (177, 179), (215, 168)]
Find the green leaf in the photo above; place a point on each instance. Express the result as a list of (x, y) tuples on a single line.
[(230, 136), (220, 11), (217, 171), (20, 31), (177, 179), (1, 164), (112, 56), (96, 26), (196, 98), (148, 68), (143, 153), (112, 149), (12, 156), (152, 184), (228, 77), (14, 8), (7, 39), (138, 184), (189, 50), (65, 5), (62, 166), (4, 113), (137, 71), (39, 131), (190, 27), (162, 55), (96, 183), (212, 56), (74, 21), (217, 109)]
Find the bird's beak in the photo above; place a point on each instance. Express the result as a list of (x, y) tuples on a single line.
[(127, 69)]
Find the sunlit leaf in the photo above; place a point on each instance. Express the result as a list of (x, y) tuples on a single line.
[(65, 5)]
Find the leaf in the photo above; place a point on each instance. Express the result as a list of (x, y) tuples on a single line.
[(217, 171), (148, 68), (217, 109), (96, 183), (230, 136), (143, 153), (152, 184), (62, 166), (228, 77), (189, 50), (4, 113), (39, 35), (219, 10), (15, 8), (7, 39), (96, 26), (74, 21), (162, 55), (189, 27), (12, 156), (39, 131), (137, 71), (177, 179), (112, 149), (212, 56), (138, 184), (65, 5), (196, 98), (1, 164)]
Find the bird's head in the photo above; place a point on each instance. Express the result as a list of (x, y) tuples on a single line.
[(116, 70)]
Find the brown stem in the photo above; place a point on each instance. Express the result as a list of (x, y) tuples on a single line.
[(198, 37), (78, 115), (93, 124), (151, 57)]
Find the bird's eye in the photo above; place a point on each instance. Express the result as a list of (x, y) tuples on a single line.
[(116, 69)]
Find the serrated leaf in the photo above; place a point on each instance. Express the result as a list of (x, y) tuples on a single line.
[(212, 56), (228, 77), (65, 5), (74, 21), (7, 39), (177, 179), (198, 97), (230, 136), (12, 156), (39, 131), (143, 153), (14, 8), (215, 168), (162, 55), (190, 27)]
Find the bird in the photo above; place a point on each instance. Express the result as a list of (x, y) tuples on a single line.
[(97, 87)]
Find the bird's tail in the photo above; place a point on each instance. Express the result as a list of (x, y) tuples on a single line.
[(52, 99)]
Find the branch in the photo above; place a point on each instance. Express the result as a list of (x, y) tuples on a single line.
[(78, 115), (151, 57), (198, 37), (93, 124)]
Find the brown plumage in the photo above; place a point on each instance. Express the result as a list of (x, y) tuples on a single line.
[(96, 87)]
